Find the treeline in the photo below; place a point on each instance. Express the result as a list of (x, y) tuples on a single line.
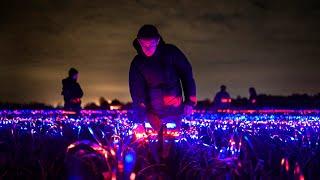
[(294, 101), (103, 104), (107, 105)]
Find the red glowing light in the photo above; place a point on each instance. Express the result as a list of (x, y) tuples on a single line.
[(226, 100), (287, 165), (172, 101), (193, 99)]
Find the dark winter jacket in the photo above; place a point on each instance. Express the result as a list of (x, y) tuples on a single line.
[(156, 81), (71, 90)]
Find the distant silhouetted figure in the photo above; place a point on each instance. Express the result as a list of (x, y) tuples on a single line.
[(222, 99), (252, 97), (72, 92)]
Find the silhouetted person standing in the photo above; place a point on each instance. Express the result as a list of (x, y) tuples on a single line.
[(252, 97), (72, 92), (222, 99), (159, 73)]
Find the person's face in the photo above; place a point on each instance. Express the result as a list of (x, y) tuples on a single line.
[(75, 77), (149, 45)]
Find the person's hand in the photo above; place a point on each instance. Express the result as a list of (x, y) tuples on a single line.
[(76, 100), (139, 130), (154, 121), (139, 113), (188, 110)]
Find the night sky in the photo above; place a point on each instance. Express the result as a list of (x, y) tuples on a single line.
[(271, 45)]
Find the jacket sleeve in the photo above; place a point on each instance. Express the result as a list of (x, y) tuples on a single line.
[(79, 91), (137, 86), (65, 90), (184, 70), (216, 99)]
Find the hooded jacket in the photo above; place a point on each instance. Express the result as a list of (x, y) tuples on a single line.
[(156, 83)]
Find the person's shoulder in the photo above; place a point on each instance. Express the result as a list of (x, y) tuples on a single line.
[(65, 80), (219, 93), (171, 48), (136, 60)]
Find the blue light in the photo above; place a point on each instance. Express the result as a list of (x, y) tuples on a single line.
[(128, 158), (171, 125)]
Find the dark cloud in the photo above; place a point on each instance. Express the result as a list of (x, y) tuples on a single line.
[(272, 45)]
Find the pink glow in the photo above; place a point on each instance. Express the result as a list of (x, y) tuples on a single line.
[(149, 46), (172, 101), (193, 99), (226, 100)]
